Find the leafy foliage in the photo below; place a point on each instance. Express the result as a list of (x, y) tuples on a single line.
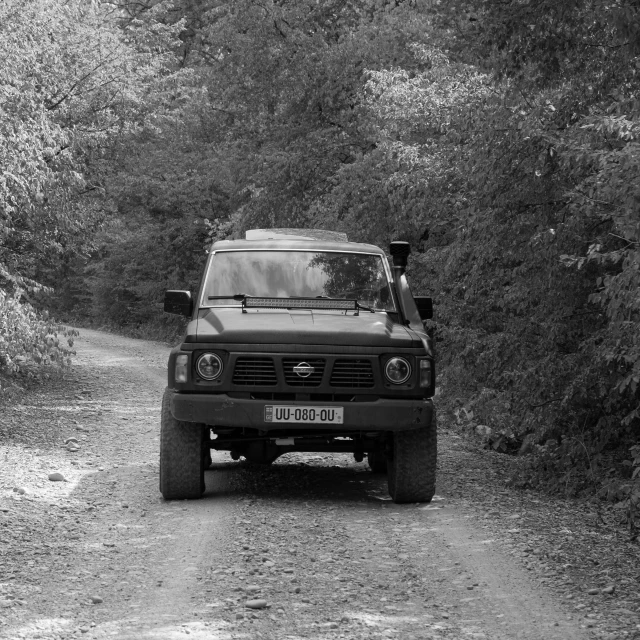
[(76, 82), (31, 344), (64, 105), (553, 344)]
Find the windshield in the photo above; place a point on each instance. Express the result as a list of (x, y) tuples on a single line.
[(290, 274)]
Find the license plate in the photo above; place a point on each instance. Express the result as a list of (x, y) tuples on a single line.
[(308, 415)]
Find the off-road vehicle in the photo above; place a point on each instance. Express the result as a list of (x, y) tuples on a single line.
[(301, 341)]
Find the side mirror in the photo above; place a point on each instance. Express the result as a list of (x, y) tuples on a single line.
[(400, 251), (178, 302), (425, 307)]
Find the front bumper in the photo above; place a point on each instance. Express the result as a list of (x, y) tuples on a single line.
[(378, 415)]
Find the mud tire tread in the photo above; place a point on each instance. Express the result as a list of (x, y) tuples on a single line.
[(412, 468), (182, 456)]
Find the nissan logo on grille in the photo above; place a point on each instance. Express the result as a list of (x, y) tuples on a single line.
[(304, 369)]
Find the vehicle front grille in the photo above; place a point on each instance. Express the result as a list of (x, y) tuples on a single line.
[(352, 373), (313, 379), (257, 372)]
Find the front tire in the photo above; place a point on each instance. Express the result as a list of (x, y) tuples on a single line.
[(182, 456), (412, 467)]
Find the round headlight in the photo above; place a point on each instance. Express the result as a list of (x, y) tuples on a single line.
[(397, 370), (209, 366)]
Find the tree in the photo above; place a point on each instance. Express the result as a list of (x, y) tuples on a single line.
[(77, 79)]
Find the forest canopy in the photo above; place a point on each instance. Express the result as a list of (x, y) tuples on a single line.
[(499, 138)]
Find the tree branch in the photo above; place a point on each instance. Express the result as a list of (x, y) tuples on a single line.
[(603, 202), (615, 235), (542, 404), (55, 105)]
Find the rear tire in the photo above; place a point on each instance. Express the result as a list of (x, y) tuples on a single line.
[(377, 460), (260, 453), (412, 467), (182, 456)]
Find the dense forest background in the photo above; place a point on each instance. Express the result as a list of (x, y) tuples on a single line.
[(499, 137)]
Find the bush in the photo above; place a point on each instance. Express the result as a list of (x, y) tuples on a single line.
[(31, 343)]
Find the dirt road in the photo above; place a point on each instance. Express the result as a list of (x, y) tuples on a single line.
[(312, 541)]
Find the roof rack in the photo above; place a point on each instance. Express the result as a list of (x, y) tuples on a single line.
[(295, 234)]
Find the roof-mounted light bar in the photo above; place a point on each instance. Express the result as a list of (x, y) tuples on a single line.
[(300, 303)]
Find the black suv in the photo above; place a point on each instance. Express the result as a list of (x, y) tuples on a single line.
[(301, 341)]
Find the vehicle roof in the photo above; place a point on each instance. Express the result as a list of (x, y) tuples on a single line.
[(295, 234), (295, 245)]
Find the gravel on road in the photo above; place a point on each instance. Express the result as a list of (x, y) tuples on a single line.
[(309, 547)]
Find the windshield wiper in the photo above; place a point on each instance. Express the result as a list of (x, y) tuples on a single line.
[(236, 296), (361, 306), (358, 305)]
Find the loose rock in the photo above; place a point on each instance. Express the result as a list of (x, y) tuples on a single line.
[(255, 604), (483, 430), (56, 477)]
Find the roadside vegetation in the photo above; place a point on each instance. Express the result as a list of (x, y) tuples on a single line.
[(499, 138)]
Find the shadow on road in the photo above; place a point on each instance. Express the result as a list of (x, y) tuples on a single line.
[(296, 481)]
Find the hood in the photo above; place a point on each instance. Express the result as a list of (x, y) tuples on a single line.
[(270, 326)]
